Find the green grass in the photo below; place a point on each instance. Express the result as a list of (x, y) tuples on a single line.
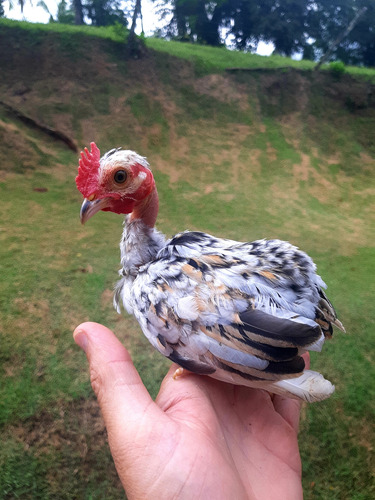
[(38, 29), (211, 59), (231, 157), (206, 59)]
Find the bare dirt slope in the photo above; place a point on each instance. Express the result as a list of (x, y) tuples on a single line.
[(298, 131)]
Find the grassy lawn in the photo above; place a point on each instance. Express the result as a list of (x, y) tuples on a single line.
[(205, 59), (242, 156)]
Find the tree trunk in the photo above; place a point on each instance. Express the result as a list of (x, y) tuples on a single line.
[(132, 46), (137, 11), (78, 12)]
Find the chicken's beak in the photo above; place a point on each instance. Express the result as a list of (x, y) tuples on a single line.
[(89, 208)]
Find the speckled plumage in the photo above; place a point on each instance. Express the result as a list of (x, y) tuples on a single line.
[(239, 312), (206, 303)]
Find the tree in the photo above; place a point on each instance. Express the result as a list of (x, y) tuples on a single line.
[(99, 12), (65, 14), (134, 45), (105, 12), (21, 4), (293, 26), (330, 18), (78, 11), (344, 34), (245, 21), (196, 21), (285, 26), (362, 36)]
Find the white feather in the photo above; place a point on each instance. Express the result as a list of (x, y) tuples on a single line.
[(310, 386), (201, 343), (235, 356), (186, 308)]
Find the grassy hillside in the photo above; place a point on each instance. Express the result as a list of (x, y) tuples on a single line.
[(283, 153)]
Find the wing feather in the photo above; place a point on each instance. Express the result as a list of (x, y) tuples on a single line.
[(277, 331), (234, 336)]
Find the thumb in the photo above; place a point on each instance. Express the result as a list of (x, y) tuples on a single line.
[(122, 397)]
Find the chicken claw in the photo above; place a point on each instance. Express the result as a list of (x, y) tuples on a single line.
[(178, 373)]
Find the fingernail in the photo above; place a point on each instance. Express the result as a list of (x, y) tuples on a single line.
[(80, 338)]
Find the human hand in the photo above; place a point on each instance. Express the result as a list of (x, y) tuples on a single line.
[(201, 438)]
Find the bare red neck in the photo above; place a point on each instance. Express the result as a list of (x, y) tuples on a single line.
[(147, 209)]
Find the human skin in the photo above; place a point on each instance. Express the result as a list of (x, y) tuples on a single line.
[(200, 438)]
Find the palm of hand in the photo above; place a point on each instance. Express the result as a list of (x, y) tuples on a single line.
[(200, 439), (216, 441)]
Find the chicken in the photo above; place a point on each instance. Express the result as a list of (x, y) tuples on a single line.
[(242, 313)]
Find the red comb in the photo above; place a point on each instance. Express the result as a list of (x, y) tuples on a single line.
[(89, 162)]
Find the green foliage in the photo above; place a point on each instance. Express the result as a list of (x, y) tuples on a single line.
[(329, 19), (337, 68), (290, 25), (105, 12), (120, 32), (37, 30), (100, 12), (65, 15)]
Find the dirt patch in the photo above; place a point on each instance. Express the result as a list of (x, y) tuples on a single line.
[(214, 187), (78, 424), (338, 228), (214, 155), (24, 152), (106, 298), (37, 308), (284, 93), (223, 88), (71, 443), (228, 197), (19, 154), (320, 187), (271, 152), (243, 163)]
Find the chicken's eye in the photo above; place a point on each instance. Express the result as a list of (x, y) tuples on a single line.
[(120, 176)]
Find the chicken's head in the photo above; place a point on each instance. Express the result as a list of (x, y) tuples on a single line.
[(120, 181)]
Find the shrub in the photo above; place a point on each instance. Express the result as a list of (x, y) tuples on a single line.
[(337, 68)]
